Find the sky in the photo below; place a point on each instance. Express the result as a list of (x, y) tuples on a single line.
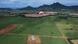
[(34, 3)]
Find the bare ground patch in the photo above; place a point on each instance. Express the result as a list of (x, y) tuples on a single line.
[(7, 28)]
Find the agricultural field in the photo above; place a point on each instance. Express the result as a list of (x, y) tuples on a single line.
[(50, 29)]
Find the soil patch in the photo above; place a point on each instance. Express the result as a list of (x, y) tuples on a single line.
[(7, 28)]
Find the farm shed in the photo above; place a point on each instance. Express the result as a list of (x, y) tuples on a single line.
[(74, 41)]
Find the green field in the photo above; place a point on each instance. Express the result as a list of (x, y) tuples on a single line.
[(43, 26)]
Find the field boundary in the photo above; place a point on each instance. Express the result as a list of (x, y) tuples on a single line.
[(63, 35), (38, 35)]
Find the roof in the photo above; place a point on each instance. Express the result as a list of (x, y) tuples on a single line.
[(74, 41)]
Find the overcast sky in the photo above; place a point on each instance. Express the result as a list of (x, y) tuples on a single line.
[(34, 3)]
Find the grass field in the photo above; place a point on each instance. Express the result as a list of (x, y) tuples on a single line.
[(46, 27)]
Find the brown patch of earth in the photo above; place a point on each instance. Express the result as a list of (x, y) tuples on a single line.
[(7, 29)]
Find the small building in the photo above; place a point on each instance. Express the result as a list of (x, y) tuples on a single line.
[(74, 41), (33, 39), (41, 13)]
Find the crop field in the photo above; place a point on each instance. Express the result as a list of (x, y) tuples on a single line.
[(49, 29)]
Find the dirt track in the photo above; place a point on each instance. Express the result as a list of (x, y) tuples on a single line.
[(7, 28)]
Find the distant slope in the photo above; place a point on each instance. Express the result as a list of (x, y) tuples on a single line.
[(27, 8), (5, 9), (54, 6)]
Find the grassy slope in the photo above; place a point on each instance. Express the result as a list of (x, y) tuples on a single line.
[(41, 26), (46, 40), (68, 27)]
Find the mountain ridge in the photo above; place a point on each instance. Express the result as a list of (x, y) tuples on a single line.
[(56, 5)]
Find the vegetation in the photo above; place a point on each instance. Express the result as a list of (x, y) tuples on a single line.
[(47, 26), (53, 7)]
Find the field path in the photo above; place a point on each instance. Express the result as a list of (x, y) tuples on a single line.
[(38, 35), (63, 35)]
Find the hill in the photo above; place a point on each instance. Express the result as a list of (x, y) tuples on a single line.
[(54, 6)]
